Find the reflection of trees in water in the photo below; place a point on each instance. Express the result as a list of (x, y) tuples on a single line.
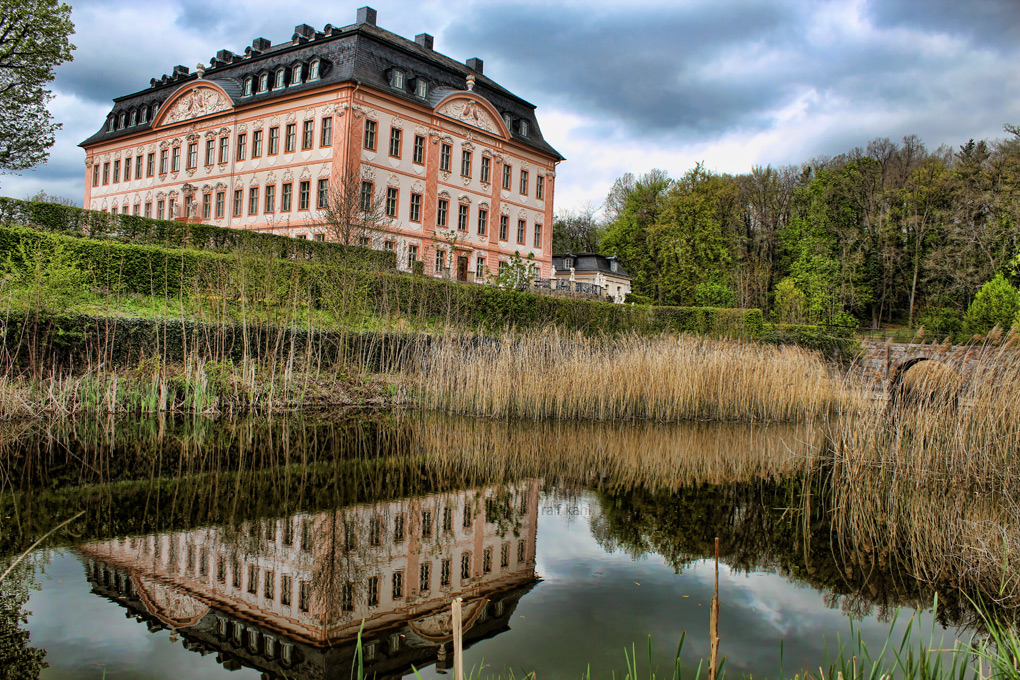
[(787, 527), (18, 659)]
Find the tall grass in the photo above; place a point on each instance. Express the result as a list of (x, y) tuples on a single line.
[(551, 374)]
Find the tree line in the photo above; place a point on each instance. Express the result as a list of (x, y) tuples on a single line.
[(892, 233)]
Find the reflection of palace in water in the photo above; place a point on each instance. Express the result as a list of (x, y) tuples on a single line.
[(288, 596)]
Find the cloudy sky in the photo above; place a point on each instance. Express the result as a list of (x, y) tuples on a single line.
[(732, 83)]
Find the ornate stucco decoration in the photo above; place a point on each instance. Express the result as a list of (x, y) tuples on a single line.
[(201, 101), (469, 112)]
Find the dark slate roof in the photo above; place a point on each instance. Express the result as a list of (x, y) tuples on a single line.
[(362, 53), (590, 262)]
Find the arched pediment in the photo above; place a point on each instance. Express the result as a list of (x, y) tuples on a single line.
[(202, 98), (471, 109)]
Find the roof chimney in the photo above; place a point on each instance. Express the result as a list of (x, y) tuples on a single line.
[(475, 64), (260, 44), (366, 15), (425, 40)]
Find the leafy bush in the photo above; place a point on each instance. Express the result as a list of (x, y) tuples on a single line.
[(637, 299), (996, 304), (714, 295), (832, 342), (941, 322)]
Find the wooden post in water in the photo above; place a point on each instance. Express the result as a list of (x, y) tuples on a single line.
[(458, 641), (714, 623)]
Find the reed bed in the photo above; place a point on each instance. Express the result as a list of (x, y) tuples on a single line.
[(957, 425), (666, 378)]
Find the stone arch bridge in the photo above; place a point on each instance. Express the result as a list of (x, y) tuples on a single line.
[(885, 362)]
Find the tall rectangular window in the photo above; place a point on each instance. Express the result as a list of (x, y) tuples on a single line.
[(106, 172), (483, 220), (391, 201), (522, 230), (224, 149), (444, 207), (95, 175), (304, 596), (444, 573), (238, 202), (256, 144), (290, 141), (164, 161), (192, 155), (524, 182), (425, 577), (322, 194), (270, 206), (160, 209), (395, 142), (504, 225), (242, 146), (253, 201), (538, 235), (274, 140), (370, 126), (175, 159), (221, 199), (444, 157), (304, 189), (150, 164), (412, 256), (148, 208), (347, 597), (486, 167), (462, 217), (480, 267), (127, 169), (465, 163), (210, 151), (373, 591), (286, 586), (138, 166), (308, 138), (418, 155), (285, 195), (269, 591), (540, 187), (326, 137), (507, 172), (206, 206), (116, 171), (367, 191), (415, 215), (465, 566), (440, 260), (398, 585)]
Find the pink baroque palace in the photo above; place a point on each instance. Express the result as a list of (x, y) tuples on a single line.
[(456, 164)]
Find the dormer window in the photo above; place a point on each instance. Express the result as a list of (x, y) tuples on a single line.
[(109, 124), (247, 86), (280, 76), (568, 262), (421, 88), (524, 128), (134, 117), (612, 266), (263, 82), (313, 70), (397, 79), (295, 76), (122, 121), (155, 109), (509, 121), (145, 114)]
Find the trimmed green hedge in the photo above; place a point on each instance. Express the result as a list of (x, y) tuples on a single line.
[(836, 342), (72, 221), (169, 272)]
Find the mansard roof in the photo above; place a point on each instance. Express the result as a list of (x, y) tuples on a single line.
[(589, 262), (361, 53)]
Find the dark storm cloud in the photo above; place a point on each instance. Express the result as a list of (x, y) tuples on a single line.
[(651, 67), (657, 71), (990, 23)]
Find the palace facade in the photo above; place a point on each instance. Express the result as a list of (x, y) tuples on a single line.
[(454, 166), (290, 596)]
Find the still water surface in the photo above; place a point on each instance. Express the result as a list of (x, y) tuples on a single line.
[(256, 549)]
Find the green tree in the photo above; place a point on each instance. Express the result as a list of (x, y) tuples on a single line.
[(33, 40), (996, 304)]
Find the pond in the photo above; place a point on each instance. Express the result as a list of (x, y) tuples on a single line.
[(261, 547)]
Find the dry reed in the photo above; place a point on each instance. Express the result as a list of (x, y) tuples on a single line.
[(666, 378)]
